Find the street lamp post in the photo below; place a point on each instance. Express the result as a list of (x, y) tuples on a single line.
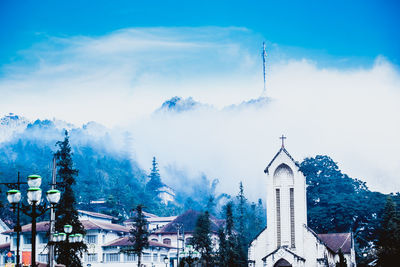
[(34, 209), (67, 236), (16, 208), (166, 260)]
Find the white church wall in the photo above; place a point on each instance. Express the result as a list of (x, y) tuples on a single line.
[(308, 249), (258, 247)]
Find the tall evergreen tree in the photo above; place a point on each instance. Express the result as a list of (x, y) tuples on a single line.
[(242, 235), (139, 234), (202, 238), (154, 182), (388, 244), (67, 253), (232, 255), (222, 248)]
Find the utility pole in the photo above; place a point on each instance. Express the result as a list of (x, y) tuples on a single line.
[(52, 217), (178, 226)]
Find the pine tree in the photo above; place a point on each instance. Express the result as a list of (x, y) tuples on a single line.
[(67, 253), (232, 254), (242, 235), (202, 238), (388, 244), (139, 234), (222, 249), (155, 180)]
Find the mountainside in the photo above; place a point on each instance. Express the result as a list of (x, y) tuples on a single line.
[(107, 172)]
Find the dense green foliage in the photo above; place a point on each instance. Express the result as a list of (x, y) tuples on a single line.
[(139, 235), (338, 203), (67, 253), (229, 251), (202, 238), (388, 243)]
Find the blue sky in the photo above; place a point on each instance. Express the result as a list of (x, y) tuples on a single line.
[(360, 30), (333, 80)]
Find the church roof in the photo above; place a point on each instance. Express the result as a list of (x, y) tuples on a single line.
[(337, 241), (277, 154)]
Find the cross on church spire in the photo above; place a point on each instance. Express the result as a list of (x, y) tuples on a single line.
[(283, 140)]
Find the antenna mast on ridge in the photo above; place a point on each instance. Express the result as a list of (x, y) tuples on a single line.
[(264, 56)]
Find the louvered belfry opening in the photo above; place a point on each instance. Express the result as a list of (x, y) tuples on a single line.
[(278, 217), (292, 229)]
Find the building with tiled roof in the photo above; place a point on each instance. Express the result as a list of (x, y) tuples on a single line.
[(105, 242), (186, 223), (287, 240)]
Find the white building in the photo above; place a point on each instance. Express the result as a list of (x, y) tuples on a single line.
[(186, 223), (4, 244), (106, 242), (287, 240)]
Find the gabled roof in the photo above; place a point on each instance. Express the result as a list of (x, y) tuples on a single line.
[(5, 246), (88, 225), (96, 214), (337, 241), (161, 219), (277, 154), (40, 227), (124, 241), (98, 225), (188, 220), (147, 215)]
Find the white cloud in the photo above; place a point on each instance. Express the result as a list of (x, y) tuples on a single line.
[(121, 78)]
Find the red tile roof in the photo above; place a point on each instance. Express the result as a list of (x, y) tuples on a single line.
[(96, 214), (336, 241), (189, 219), (88, 225), (124, 241), (4, 246)]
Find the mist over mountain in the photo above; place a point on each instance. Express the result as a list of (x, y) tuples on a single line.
[(108, 170)]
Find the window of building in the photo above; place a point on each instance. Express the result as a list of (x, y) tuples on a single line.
[(278, 217), (146, 257), (129, 257), (91, 239), (111, 257), (91, 257), (27, 239), (43, 239), (167, 241), (43, 257), (155, 257), (155, 240), (162, 257)]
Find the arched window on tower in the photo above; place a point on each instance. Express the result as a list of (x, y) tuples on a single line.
[(283, 175)]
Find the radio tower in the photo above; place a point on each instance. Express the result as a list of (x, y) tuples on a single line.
[(264, 57)]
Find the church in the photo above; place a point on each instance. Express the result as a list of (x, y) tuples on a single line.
[(287, 240)]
